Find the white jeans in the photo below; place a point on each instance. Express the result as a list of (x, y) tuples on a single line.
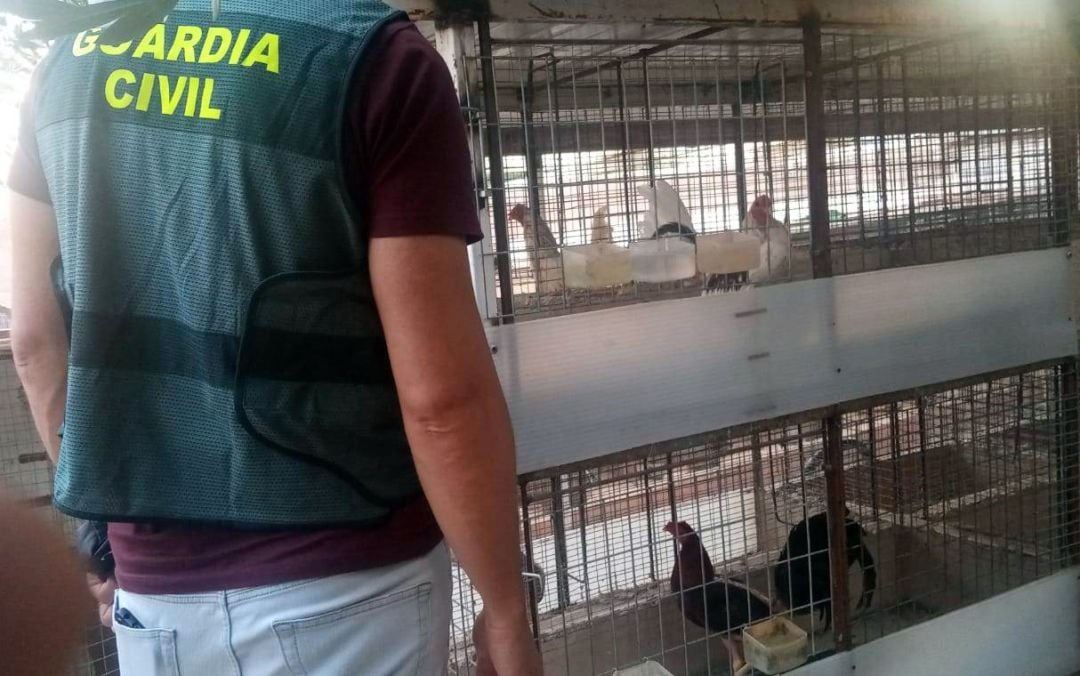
[(392, 621)]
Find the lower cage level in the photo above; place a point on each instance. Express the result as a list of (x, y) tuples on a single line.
[(965, 491), (962, 492)]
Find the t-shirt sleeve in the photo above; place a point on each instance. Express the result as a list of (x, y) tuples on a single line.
[(407, 157), (26, 175)]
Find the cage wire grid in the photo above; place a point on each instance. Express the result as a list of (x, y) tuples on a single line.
[(938, 148), (964, 491), (961, 492)]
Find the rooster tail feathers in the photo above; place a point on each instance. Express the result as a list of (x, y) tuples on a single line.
[(665, 206)]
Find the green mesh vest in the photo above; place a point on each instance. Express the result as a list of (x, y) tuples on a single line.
[(227, 361)]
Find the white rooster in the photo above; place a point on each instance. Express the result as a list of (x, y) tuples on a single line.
[(774, 237), (543, 251)]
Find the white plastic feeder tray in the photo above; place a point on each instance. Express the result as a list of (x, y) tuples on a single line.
[(649, 668), (597, 266), (775, 646), (727, 253), (667, 259)]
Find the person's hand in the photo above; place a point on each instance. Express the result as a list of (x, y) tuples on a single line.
[(103, 592), (505, 647)]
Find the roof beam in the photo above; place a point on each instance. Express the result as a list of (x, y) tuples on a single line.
[(935, 13)]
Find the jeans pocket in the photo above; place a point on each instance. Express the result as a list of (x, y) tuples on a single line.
[(145, 652), (383, 636)]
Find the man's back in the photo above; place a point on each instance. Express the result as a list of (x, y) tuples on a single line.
[(249, 221)]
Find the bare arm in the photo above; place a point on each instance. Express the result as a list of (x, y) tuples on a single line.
[(43, 609), (38, 337), (455, 415)]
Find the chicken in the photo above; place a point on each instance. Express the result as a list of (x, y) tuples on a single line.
[(543, 251), (775, 240), (720, 606), (667, 215), (601, 228), (803, 572)]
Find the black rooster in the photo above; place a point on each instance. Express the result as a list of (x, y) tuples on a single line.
[(803, 572), (719, 606)]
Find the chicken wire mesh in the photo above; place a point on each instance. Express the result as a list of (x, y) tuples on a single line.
[(941, 149), (25, 475), (954, 494), (937, 149)]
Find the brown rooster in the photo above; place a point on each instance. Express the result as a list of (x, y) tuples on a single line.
[(718, 606)]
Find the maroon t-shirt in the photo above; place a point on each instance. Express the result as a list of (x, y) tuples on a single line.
[(407, 161)]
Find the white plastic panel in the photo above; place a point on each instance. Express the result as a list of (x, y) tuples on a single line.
[(1033, 630), (588, 385)]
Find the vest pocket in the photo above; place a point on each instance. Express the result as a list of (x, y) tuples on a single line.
[(314, 381)]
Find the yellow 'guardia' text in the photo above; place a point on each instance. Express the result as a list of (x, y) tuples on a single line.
[(188, 95)]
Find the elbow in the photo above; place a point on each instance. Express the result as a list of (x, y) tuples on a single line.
[(29, 344), (450, 411), (439, 411)]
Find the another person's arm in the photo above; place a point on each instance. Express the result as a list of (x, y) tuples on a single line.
[(42, 607), (38, 337)]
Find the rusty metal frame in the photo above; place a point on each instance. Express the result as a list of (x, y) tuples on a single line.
[(772, 12)]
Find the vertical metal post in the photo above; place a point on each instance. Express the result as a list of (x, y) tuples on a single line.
[(740, 143), (456, 44), (908, 156), (1063, 160), (817, 175), (923, 470), (821, 260), (582, 521), (855, 71), (649, 516), (1065, 202), (1068, 461), (625, 152), (761, 530), (883, 166), (1010, 121), (558, 525), (555, 115), (532, 157), (837, 517), (498, 179), (769, 187), (672, 503), (526, 528), (649, 122)]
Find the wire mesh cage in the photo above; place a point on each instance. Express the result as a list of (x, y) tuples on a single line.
[(952, 494), (938, 148)]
